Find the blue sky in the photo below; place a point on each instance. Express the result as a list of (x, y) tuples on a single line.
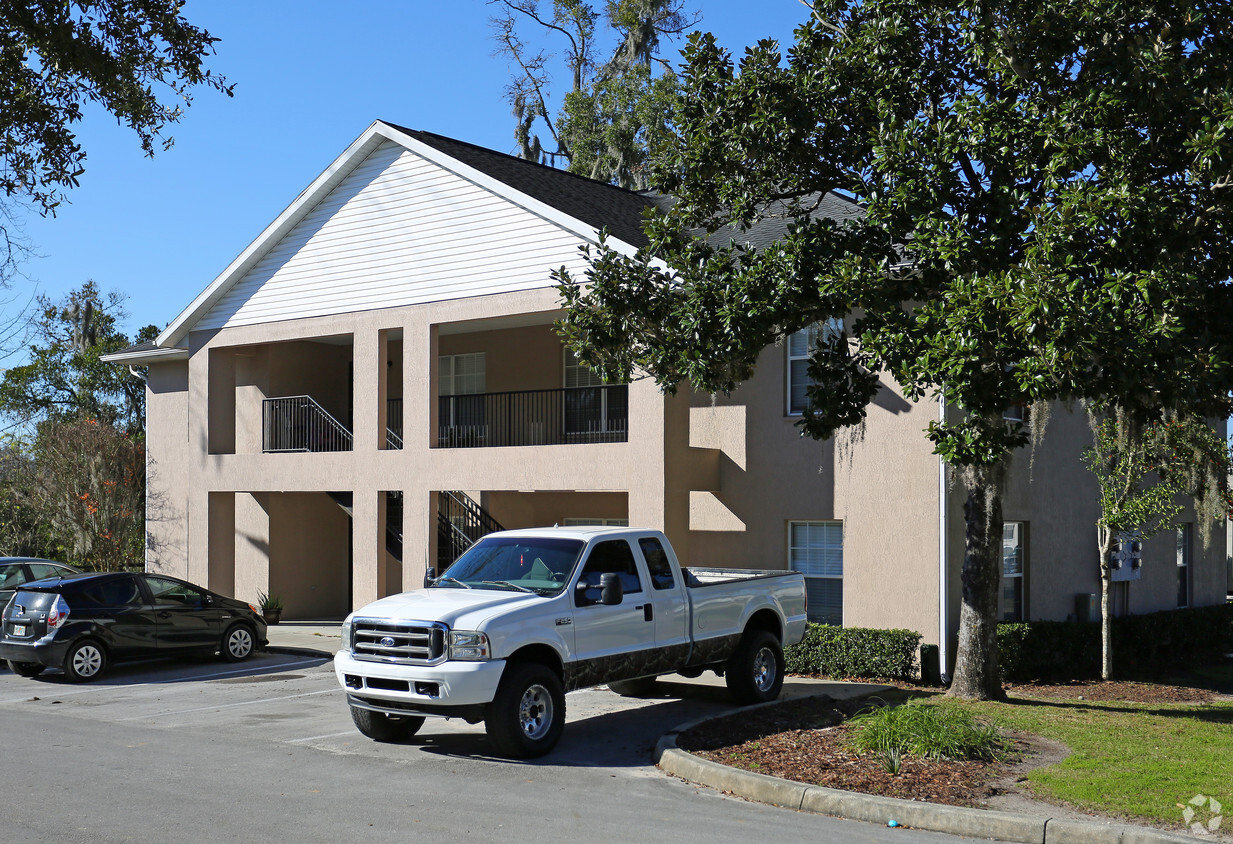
[(310, 76)]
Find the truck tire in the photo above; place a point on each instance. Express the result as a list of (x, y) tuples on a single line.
[(527, 715), (641, 687), (381, 727), (754, 672)]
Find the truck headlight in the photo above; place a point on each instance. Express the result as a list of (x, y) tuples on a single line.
[(346, 634), (468, 645)]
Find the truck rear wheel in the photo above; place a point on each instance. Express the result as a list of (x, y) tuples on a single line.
[(754, 672), (381, 727), (527, 715)]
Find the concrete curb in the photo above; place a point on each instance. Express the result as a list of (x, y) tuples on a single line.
[(955, 820), (283, 649)]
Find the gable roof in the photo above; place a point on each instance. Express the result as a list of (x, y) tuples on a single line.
[(578, 205)]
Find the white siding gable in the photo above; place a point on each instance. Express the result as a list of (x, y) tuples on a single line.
[(398, 230)]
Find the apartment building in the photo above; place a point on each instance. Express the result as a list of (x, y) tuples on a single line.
[(376, 381)]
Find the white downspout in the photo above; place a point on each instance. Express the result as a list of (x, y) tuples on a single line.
[(943, 586)]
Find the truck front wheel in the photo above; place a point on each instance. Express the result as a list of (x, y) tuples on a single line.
[(527, 715), (381, 727), (754, 672)]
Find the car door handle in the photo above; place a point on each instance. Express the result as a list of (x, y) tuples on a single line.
[(164, 614), (648, 611)]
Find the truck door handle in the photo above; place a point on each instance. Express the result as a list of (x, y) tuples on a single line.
[(648, 612)]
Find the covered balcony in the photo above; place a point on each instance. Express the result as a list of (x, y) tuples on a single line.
[(570, 415)]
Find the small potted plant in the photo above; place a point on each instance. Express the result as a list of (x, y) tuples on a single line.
[(271, 607)]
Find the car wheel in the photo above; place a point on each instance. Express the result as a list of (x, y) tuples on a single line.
[(381, 727), (238, 643), (85, 661), (26, 669), (527, 715), (641, 687), (754, 673)]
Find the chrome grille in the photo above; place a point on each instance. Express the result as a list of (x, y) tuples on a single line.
[(399, 642)]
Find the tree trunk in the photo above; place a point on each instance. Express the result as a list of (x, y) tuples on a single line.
[(977, 675), (1106, 633)]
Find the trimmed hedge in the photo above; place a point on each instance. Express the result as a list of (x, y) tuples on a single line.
[(1142, 644), (854, 652)]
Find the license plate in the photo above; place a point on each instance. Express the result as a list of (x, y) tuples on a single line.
[(19, 630)]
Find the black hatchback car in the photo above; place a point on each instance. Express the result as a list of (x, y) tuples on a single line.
[(82, 622)]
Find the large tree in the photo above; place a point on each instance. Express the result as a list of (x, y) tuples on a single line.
[(139, 60), (613, 110), (1045, 188)]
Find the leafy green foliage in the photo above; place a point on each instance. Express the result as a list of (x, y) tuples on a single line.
[(55, 57), (66, 378), (929, 729), (1044, 195), (614, 111), (1155, 642), (854, 652)]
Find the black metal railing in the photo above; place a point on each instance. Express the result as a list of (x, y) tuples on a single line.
[(461, 521), (393, 424), (534, 417), (298, 423)]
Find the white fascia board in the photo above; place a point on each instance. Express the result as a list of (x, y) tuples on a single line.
[(145, 356), (179, 327), (176, 331), (529, 203)]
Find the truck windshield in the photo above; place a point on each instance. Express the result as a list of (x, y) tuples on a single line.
[(515, 564)]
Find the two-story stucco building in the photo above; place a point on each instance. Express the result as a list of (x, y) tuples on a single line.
[(376, 380)]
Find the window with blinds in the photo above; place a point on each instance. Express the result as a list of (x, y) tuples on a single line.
[(800, 346), (815, 549), (1011, 606)]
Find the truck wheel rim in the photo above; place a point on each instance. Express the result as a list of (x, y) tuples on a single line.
[(535, 712), (765, 667), (87, 661)]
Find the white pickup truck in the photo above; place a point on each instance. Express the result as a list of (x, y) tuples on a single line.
[(525, 616)]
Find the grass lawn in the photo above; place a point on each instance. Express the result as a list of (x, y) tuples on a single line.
[(1128, 759)]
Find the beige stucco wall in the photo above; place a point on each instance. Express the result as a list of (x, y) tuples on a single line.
[(722, 476)]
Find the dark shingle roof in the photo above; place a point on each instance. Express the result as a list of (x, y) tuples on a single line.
[(595, 203)]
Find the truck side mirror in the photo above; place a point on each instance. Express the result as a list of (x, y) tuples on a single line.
[(429, 577), (580, 594), (610, 589)]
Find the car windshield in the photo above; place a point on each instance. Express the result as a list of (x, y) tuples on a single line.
[(516, 564)]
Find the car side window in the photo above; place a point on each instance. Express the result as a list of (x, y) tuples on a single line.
[(613, 556), (173, 593), (122, 592), (11, 576), (40, 570), (657, 563)]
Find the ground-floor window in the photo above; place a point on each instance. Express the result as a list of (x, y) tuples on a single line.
[(1011, 606), (815, 549), (1183, 564)]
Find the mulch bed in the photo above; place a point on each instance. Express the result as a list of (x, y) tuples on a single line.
[(806, 740)]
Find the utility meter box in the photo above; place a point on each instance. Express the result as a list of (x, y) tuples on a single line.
[(1126, 556)]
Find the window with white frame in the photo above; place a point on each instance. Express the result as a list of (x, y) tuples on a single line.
[(594, 410), (815, 549), (1184, 533), (1011, 606), (800, 346), (460, 375)]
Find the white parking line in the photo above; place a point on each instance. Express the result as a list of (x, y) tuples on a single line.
[(219, 706)]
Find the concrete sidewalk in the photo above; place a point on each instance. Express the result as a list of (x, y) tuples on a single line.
[(317, 637)]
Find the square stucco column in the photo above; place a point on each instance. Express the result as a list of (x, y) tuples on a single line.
[(252, 545), (367, 546), (368, 373)]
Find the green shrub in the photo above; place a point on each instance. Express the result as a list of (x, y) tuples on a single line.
[(854, 652), (1142, 644), (925, 729)]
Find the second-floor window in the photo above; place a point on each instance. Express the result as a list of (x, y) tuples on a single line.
[(800, 346), (460, 375)]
